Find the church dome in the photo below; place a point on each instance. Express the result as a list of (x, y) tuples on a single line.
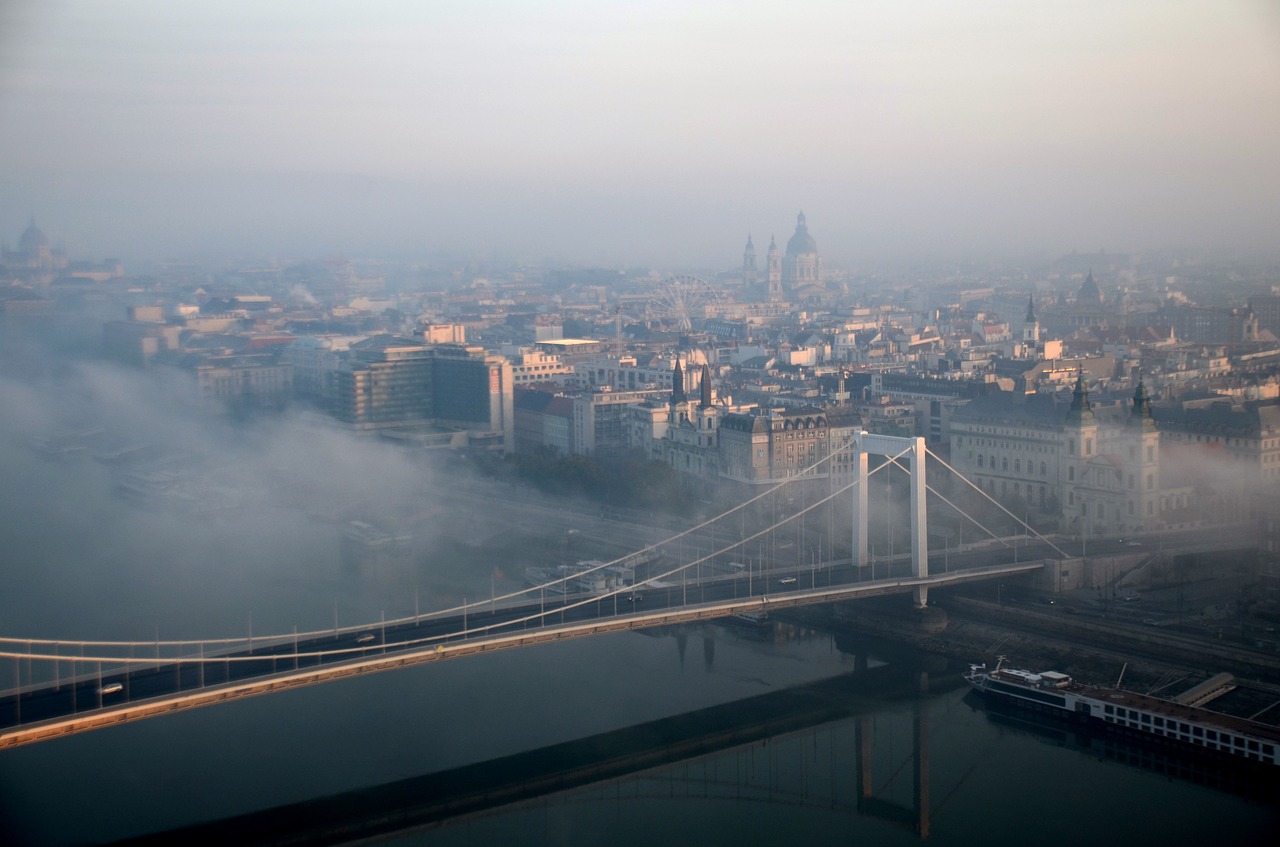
[(802, 241), (33, 240), (1089, 292)]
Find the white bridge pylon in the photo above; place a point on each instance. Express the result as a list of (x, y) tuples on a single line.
[(866, 443)]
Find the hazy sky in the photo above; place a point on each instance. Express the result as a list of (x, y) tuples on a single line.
[(656, 132)]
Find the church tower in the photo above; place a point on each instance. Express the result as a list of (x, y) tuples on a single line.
[(1142, 463), (708, 416), (679, 400), (1031, 327), (749, 274), (1080, 513), (774, 259)]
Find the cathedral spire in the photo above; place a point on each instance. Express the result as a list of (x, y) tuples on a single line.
[(677, 384), (1140, 418), (1080, 413), (1031, 326), (704, 401), (1089, 291)]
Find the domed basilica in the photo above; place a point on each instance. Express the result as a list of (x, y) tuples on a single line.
[(796, 274), (34, 255)]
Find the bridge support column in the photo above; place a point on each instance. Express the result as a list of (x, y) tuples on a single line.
[(919, 522), (860, 499)]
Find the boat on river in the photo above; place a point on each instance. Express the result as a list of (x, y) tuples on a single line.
[(1178, 722)]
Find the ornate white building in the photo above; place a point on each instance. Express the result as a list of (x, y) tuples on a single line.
[(1027, 451), (691, 443)]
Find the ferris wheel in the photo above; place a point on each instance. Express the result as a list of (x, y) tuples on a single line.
[(678, 300)]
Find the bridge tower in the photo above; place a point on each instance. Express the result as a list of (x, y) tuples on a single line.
[(916, 816), (889, 445)]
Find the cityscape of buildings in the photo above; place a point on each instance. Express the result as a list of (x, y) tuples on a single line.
[(1100, 394)]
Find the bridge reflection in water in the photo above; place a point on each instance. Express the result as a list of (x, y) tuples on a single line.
[(681, 756)]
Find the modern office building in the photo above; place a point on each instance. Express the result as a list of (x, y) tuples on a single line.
[(387, 381)]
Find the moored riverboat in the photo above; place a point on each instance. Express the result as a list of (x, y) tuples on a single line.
[(1165, 721)]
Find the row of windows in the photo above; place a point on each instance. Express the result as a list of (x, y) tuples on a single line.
[(1017, 490), (1189, 732), (1017, 465), (1251, 443), (1151, 452), (1035, 447), (994, 430), (808, 423)]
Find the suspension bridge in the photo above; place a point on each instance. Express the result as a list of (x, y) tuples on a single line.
[(62, 687)]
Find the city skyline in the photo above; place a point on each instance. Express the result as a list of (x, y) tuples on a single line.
[(604, 134), (755, 368)]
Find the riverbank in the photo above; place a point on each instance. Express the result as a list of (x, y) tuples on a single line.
[(973, 630)]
